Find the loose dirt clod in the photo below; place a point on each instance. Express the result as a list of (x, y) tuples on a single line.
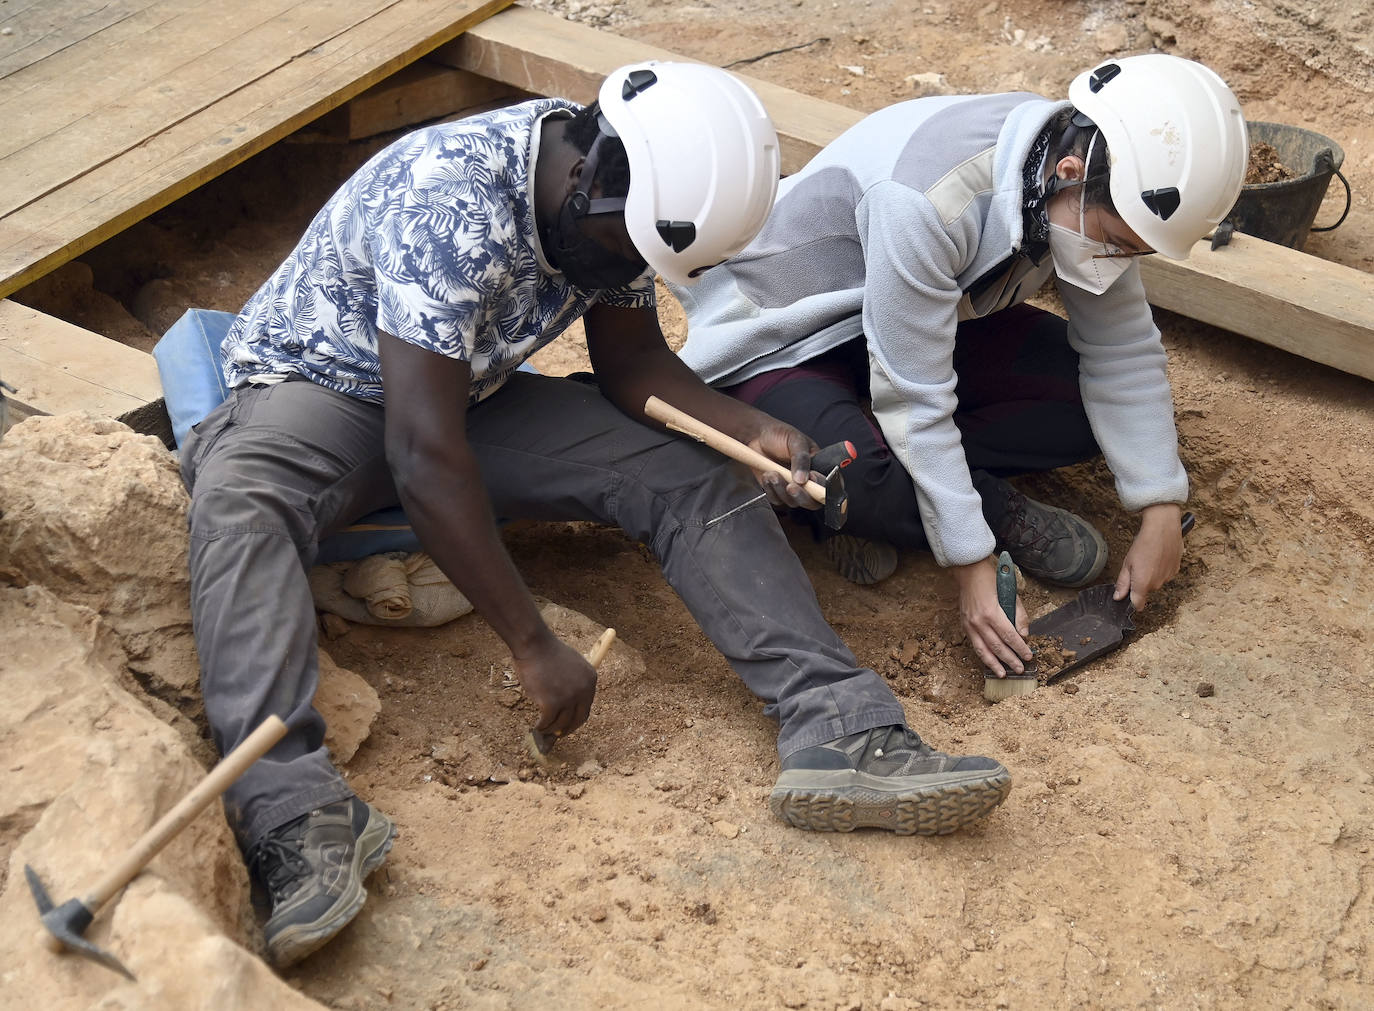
[(1050, 655), (1265, 165)]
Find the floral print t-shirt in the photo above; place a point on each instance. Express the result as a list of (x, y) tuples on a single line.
[(432, 241)]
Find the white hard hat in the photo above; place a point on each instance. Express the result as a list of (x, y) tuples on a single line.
[(704, 163), (1177, 142)]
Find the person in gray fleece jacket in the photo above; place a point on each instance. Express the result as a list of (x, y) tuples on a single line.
[(883, 303)]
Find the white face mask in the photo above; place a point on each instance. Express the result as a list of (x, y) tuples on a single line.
[(1078, 259)]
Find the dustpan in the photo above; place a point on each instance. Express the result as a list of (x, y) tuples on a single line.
[(1092, 623)]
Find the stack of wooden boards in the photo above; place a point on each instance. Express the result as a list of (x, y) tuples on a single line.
[(115, 110)]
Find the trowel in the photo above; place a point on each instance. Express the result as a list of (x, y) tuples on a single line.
[(1092, 623)]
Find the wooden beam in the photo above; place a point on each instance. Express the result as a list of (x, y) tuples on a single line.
[(418, 93), (1320, 310), (1279, 296), (545, 55), (56, 367)]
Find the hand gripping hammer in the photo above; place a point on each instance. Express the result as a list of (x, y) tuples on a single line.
[(66, 923), (831, 494)]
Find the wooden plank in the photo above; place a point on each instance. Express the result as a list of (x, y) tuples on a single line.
[(104, 201), (40, 28), (56, 367), (172, 72), (1312, 307), (546, 55)]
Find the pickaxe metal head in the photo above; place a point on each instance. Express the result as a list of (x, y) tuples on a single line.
[(67, 922), (831, 462)]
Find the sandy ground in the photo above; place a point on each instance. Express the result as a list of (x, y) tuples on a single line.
[(1191, 821)]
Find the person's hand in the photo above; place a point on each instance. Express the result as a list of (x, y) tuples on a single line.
[(999, 644), (559, 680), (789, 447), (1155, 554)]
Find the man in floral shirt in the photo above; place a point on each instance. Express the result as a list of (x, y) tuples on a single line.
[(379, 365)]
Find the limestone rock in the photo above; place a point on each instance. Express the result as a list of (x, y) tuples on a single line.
[(85, 769), (97, 514), (348, 704)]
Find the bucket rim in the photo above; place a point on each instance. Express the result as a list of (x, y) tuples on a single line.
[(1337, 156)]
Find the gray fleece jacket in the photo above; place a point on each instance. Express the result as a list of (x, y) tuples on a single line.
[(908, 222)]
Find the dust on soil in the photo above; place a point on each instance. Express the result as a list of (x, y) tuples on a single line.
[(1160, 848)]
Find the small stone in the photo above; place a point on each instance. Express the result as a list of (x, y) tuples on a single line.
[(479, 965), (597, 914), (1205, 690), (1112, 37), (589, 769), (334, 626), (1071, 689), (727, 828), (576, 790), (924, 85)]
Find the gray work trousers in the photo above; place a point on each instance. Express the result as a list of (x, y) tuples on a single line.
[(275, 469)]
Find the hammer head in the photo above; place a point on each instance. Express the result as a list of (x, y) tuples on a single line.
[(67, 922), (831, 462)]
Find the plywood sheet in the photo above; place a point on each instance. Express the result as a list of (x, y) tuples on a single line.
[(114, 108)]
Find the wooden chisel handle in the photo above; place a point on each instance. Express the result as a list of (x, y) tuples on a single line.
[(537, 742), (678, 421)]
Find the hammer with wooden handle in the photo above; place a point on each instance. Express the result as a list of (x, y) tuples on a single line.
[(831, 495)]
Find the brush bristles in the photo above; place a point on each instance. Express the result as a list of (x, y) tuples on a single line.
[(996, 689)]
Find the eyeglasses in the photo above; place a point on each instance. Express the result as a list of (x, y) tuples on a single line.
[(1123, 254), (1113, 252)]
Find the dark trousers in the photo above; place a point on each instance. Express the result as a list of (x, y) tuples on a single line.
[(1020, 411), (275, 469)]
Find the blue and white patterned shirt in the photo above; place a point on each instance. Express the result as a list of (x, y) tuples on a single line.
[(433, 241)]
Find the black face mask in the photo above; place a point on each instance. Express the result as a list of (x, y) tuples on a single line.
[(585, 262)]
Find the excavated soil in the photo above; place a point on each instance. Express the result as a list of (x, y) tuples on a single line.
[(1163, 846)]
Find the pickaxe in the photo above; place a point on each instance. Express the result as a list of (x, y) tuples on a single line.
[(831, 495), (66, 923)]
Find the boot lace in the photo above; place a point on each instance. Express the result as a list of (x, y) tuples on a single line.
[(1019, 531), (279, 866)]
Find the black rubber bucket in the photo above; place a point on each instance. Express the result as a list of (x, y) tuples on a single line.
[(1283, 212)]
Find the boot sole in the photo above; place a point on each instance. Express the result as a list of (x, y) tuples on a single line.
[(296, 942), (843, 801), (861, 561)]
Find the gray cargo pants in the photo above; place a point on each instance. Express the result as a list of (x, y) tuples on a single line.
[(275, 469)]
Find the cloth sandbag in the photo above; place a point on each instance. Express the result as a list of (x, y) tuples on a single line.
[(379, 581), (397, 588)]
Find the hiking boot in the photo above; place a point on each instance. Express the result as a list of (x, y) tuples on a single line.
[(1050, 543), (313, 869), (888, 778), (860, 560)]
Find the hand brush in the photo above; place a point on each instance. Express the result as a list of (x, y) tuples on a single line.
[(995, 688)]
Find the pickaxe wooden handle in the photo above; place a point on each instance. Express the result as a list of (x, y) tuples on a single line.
[(64, 924), (677, 421)]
